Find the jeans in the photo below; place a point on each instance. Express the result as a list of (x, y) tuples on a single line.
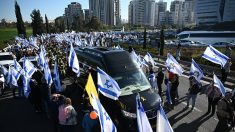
[(193, 96)]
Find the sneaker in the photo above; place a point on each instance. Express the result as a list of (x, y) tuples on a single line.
[(192, 109)]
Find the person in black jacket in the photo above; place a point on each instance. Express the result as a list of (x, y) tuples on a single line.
[(160, 77), (192, 91), (174, 87)]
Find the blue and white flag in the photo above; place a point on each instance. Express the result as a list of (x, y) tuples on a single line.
[(106, 123), (77, 41), (152, 80), (33, 42), (142, 119), (219, 85), (163, 124), (15, 73), (196, 71), (215, 56), (173, 66), (73, 61), (26, 86), (4, 71), (12, 74), (148, 58), (29, 68), (42, 58), (57, 78), (17, 66), (107, 85), (47, 73)]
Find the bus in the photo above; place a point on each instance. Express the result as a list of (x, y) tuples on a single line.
[(208, 37)]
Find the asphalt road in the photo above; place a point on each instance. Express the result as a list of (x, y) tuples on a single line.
[(17, 115)]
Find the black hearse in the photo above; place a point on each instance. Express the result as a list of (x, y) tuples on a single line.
[(131, 79)]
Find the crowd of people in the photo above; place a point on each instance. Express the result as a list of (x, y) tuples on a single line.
[(64, 110)]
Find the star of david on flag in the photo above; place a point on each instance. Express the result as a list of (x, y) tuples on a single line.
[(106, 123), (173, 66), (107, 85)]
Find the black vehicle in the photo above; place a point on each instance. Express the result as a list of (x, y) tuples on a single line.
[(130, 78)]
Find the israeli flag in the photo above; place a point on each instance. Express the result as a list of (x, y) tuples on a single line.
[(196, 71), (15, 73), (57, 78), (219, 85), (106, 123), (4, 70), (142, 119), (42, 58), (12, 77), (77, 41), (136, 58), (148, 58), (26, 86), (215, 56), (73, 61), (47, 73), (33, 42), (163, 124), (107, 85), (152, 80), (29, 68), (17, 66), (173, 66)]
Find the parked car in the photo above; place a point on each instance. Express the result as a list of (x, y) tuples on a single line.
[(223, 44), (186, 42), (131, 80), (7, 58)]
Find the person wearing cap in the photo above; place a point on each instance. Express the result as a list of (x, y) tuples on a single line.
[(192, 91), (225, 114), (90, 120)]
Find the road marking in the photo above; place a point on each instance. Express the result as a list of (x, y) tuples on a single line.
[(184, 103)]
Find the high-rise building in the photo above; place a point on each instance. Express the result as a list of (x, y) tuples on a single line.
[(176, 9), (73, 10), (87, 15), (229, 11), (142, 12), (105, 10), (159, 7), (211, 12), (117, 11), (166, 18), (188, 12)]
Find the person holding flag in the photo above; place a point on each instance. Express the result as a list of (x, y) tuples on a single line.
[(195, 71), (192, 92)]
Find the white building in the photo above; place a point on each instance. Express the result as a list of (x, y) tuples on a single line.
[(159, 7), (176, 9), (107, 11), (188, 12), (142, 12), (166, 18)]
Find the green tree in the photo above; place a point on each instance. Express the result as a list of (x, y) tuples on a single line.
[(94, 24), (78, 24), (145, 42), (20, 23), (47, 24), (162, 42), (59, 24), (37, 22)]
